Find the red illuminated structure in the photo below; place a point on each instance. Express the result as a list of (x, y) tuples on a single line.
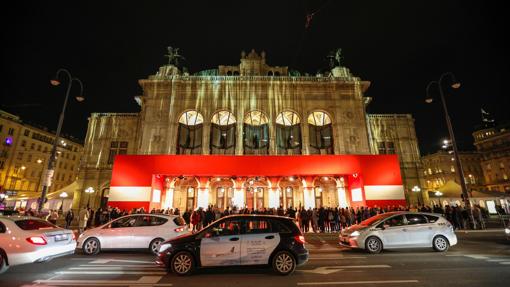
[(150, 181)]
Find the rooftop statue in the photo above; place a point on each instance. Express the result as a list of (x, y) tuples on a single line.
[(173, 56), (335, 58)]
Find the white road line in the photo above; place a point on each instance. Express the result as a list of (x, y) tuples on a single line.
[(121, 265), (106, 260), (335, 257), (477, 256), (110, 272), (358, 282), (115, 268), (505, 263), (143, 281), (497, 260)]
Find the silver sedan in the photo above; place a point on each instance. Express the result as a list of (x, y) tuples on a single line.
[(400, 230), (136, 231)]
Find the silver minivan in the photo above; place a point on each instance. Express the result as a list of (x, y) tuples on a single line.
[(401, 229)]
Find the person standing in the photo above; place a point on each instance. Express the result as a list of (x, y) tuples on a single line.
[(83, 218), (69, 218)]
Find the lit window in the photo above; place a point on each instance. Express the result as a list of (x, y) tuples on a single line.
[(320, 133), (189, 134), (223, 133), (256, 133)]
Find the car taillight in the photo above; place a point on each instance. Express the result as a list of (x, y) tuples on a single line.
[(299, 239), (179, 229), (37, 240)]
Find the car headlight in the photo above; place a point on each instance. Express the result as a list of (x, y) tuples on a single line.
[(355, 234), (507, 230), (164, 247)]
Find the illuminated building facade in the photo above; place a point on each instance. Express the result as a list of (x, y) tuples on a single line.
[(255, 114)]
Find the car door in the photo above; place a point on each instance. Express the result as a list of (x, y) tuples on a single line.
[(144, 231), (258, 241), (418, 230), (118, 234), (221, 243), (394, 234)]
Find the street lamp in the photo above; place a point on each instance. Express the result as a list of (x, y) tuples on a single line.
[(63, 195), (51, 162), (89, 191), (455, 84), (417, 189)]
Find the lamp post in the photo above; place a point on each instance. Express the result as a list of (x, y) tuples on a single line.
[(48, 176), (455, 84), (63, 195), (89, 191), (417, 190)]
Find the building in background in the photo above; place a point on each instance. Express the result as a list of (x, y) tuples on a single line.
[(493, 144), (24, 155), (250, 109)]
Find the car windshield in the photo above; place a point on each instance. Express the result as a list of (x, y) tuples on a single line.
[(34, 224), (376, 218)]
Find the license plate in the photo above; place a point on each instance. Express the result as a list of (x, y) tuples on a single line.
[(60, 237)]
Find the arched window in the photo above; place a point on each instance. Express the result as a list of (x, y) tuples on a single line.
[(189, 133), (256, 133), (321, 133), (288, 133), (223, 133)]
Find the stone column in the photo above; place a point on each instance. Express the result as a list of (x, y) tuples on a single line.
[(272, 140), (305, 149), (206, 136), (239, 138)]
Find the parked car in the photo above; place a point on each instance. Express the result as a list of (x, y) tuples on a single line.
[(135, 231), (25, 239), (237, 240), (400, 230)]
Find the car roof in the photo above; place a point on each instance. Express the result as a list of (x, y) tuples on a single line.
[(18, 217), (150, 214), (257, 215)]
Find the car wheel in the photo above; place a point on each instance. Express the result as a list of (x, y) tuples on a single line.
[(3, 263), (284, 263), (91, 246), (440, 243), (182, 263), (373, 245), (154, 246)]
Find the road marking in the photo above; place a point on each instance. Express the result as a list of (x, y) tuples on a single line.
[(115, 268), (358, 282), (103, 261), (497, 260), (505, 263), (111, 272), (121, 265), (477, 256), (143, 281), (335, 258), (324, 270)]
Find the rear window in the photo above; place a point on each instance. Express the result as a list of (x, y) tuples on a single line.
[(431, 218), (179, 221), (34, 224), (280, 227)]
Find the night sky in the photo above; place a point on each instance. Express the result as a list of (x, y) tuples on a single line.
[(399, 46)]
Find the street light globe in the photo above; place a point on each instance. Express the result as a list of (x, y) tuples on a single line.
[(80, 98), (438, 193), (23, 167), (456, 85), (89, 189), (55, 82), (39, 160), (429, 100), (416, 188), (63, 194)]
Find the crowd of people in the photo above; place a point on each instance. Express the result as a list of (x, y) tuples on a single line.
[(323, 219)]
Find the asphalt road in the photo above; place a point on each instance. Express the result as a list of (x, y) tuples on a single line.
[(480, 259)]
